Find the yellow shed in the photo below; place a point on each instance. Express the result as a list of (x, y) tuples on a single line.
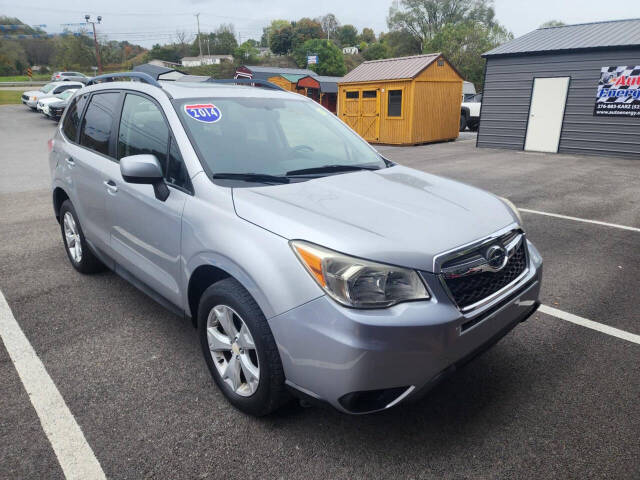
[(402, 101), (287, 81)]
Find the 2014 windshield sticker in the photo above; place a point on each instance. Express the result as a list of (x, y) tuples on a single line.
[(204, 112)]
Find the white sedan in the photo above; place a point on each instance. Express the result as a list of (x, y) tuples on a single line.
[(44, 102), (30, 98)]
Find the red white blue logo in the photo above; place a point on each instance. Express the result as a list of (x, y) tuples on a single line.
[(203, 112)]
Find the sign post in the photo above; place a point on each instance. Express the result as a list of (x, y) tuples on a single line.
[(30, 73), (312, 59)]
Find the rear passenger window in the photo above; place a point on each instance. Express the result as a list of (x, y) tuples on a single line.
[(72, 119), (143, 130), (98, 122)]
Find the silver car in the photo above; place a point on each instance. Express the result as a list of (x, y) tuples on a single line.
[(30, 98), (311, 265), (69, 77)]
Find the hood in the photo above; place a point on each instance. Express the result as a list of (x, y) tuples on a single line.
[(34, 93), (395, 215)]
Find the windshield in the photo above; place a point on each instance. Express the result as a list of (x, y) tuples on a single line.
[(66, 94), (272, 136), (48, 87)]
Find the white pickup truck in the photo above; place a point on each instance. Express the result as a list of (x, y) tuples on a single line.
[(470, 112)]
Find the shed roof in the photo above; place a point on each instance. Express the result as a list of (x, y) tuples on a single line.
[(157, 72), (390, 68), (616, 33), (292, 78), (262, 73), (327, 84)]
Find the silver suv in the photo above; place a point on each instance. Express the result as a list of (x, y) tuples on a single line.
[(310, 264)]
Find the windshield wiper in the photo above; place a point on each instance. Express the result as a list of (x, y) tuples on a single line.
[(251, 177), (330, 169)]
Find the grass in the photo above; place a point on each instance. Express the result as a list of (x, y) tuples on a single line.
[(8, 97), (24, 78)]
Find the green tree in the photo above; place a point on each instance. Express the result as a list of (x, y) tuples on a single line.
[(425, 18), (74, 52), (330, 58), (265, 40), (169, 53), (367, 35), (305, 29), (281, 40), (463, 44), (401, 43), (347, 35), (13, 58), (376, 51), (553, 23), (247, 52)]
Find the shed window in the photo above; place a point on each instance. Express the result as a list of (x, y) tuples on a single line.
[(370, 94), (394, 109), (353, 95)]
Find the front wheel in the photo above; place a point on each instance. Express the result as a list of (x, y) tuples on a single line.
[(239, 349), (463, 122)]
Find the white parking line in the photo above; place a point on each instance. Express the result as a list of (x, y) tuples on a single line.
[(569, 317), (71, 448), (576, 219)]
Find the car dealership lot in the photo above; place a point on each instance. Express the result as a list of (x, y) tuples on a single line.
[(551, 400)]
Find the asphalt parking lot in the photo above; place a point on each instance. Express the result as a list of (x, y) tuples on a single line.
[(553, 399)]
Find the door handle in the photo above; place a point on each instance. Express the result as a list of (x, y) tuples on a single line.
[(111, 186), (70, 161)]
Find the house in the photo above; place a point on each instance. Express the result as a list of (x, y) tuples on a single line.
[(407, 100), (164, 63), (205, 60), (322, 89), (350, 50), (571, 89)]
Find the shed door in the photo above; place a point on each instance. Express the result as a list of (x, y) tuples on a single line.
[(546, 114), (351, 113), (370, 113)]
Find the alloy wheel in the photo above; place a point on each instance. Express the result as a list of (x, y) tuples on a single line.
[(72, 236)]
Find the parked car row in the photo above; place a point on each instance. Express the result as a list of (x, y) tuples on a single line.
[(51, 99)]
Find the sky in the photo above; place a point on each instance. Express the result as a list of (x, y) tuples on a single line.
[(146, 22)]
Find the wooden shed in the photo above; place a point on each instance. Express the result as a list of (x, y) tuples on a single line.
[(402, 101), (287, 81), (322, 89)]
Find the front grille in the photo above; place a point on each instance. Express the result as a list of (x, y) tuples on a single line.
[(473, 288)]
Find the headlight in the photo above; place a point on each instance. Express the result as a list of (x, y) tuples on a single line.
[(513, 208), (358, 283)]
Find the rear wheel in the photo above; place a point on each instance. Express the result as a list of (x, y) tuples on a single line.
[(239, 348), (80, 256)]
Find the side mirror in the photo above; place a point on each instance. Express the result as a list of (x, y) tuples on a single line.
[(144, 169)]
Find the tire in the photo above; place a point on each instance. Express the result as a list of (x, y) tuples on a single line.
[(463, 122), (255, 398), (474, 127), (86, 262)]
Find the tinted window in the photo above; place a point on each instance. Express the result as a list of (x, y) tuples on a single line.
[(176, 171), (353, 94), (98, 122), (72, 119), (143, 130), (370, 94), (395, 103), (65, 87)]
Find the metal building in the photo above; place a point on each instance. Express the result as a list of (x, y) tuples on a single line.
[(570, 89)]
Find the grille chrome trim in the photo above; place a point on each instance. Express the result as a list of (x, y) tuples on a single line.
[(513, 239)]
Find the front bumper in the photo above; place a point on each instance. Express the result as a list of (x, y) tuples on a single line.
[(361, 361)]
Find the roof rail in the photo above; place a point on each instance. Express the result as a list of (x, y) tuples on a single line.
[(248, 81), (109, 77)]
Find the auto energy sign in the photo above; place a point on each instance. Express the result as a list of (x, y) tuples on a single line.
[(203, 112), (618, 92)]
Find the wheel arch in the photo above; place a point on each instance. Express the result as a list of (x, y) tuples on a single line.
[(59, 196), (208, 269)]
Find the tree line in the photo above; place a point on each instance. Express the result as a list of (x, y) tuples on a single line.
[(460, 29)]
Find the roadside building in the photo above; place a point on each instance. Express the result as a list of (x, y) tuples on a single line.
[(322, 89), (205, 60), (407, 100), (288, 81), (570, 89)]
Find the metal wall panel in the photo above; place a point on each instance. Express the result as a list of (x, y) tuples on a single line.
[(507, 96)]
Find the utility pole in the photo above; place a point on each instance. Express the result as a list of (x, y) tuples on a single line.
[(87, 18), (199, 42)]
